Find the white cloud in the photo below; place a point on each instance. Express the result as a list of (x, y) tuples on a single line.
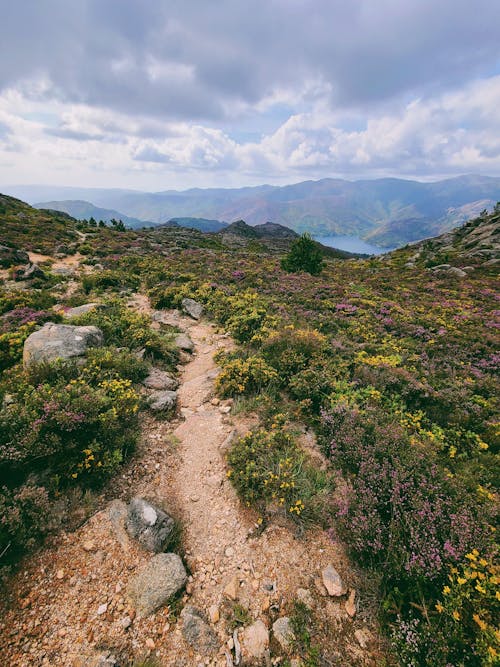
[(456, 132)]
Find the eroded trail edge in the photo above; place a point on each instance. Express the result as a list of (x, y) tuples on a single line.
[(69, 605)]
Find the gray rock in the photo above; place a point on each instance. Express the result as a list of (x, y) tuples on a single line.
[(64, 271), (117, 512), (149, 525), (11, 257), (156, 583), (440, 267), (60, 341), (160, 380), (184, 342), (197, 632), (255, 640), (192, 308), (29, 272), (283, 632), (163, 401), (455, 271), (304, 596), (101, 659), (81, 310), (333, 582)]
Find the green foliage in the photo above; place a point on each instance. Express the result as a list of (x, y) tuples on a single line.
[(301, 623), (103, 280), (124, 327), (24, 519), (304, 255), (244, 376), (269, 468)]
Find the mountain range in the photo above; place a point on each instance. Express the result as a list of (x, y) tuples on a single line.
[(386, 212)]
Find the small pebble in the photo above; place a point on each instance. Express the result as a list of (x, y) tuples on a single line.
[(102, 609)]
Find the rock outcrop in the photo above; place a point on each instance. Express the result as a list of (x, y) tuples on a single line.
[(149, 525), (60, 341)]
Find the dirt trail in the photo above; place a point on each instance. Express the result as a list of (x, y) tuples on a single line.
[(52, 614)]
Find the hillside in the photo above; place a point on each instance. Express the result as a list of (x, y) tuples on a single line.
[(24, 226), (84, 210), (387, 212), (227, 462), (201, 224)]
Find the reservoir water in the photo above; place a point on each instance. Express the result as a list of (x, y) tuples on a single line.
[(351, 244)]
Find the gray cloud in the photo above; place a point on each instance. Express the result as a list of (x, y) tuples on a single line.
[(198, 60)]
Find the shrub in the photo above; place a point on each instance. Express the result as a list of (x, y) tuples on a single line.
[(103, 280), (268, 467), (124, 327), (244, 376), (291, 350), (24, 519), (304, 255), (72, 428)]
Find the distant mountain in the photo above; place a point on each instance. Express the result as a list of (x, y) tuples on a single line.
[(84, 210), (387, 211), (201, 224)]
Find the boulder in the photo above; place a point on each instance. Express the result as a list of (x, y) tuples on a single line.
[(184, 342), (11, 257), (255, 640), (197, 632), (30, 272), (455, 271), (149, 525), (163, 401), (333, 582), (283, 633), (160, 380), (81, 310), (192, 308), (156, 583), (60, 341)]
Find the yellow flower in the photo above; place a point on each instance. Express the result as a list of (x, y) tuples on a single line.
[(480, 622), (461, 581), (456, 615), (446, 590), (480, 589), (440, 607)]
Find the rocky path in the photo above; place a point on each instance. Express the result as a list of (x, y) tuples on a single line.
[(69, 605)]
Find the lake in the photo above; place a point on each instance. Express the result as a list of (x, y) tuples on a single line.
[(351, 244)]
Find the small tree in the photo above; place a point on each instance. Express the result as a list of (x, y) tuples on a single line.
[(304, 255)]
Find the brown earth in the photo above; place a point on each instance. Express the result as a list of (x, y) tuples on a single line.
[(51, 609)]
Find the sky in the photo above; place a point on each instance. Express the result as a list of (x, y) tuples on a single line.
[(161, 94)]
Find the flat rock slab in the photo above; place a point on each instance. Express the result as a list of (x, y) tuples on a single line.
[(156, 583), (255, 640), (60, 341), (333, 582)]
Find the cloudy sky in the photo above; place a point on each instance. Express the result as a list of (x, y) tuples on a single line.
[(159, 94)]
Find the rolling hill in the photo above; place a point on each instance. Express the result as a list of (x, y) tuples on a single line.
[(387, 211)]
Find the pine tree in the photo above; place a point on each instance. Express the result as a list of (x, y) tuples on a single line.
[(304, 255)]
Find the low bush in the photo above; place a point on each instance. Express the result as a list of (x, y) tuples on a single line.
[(244, 376), (268, 468), (124, 327), (24, 519)]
